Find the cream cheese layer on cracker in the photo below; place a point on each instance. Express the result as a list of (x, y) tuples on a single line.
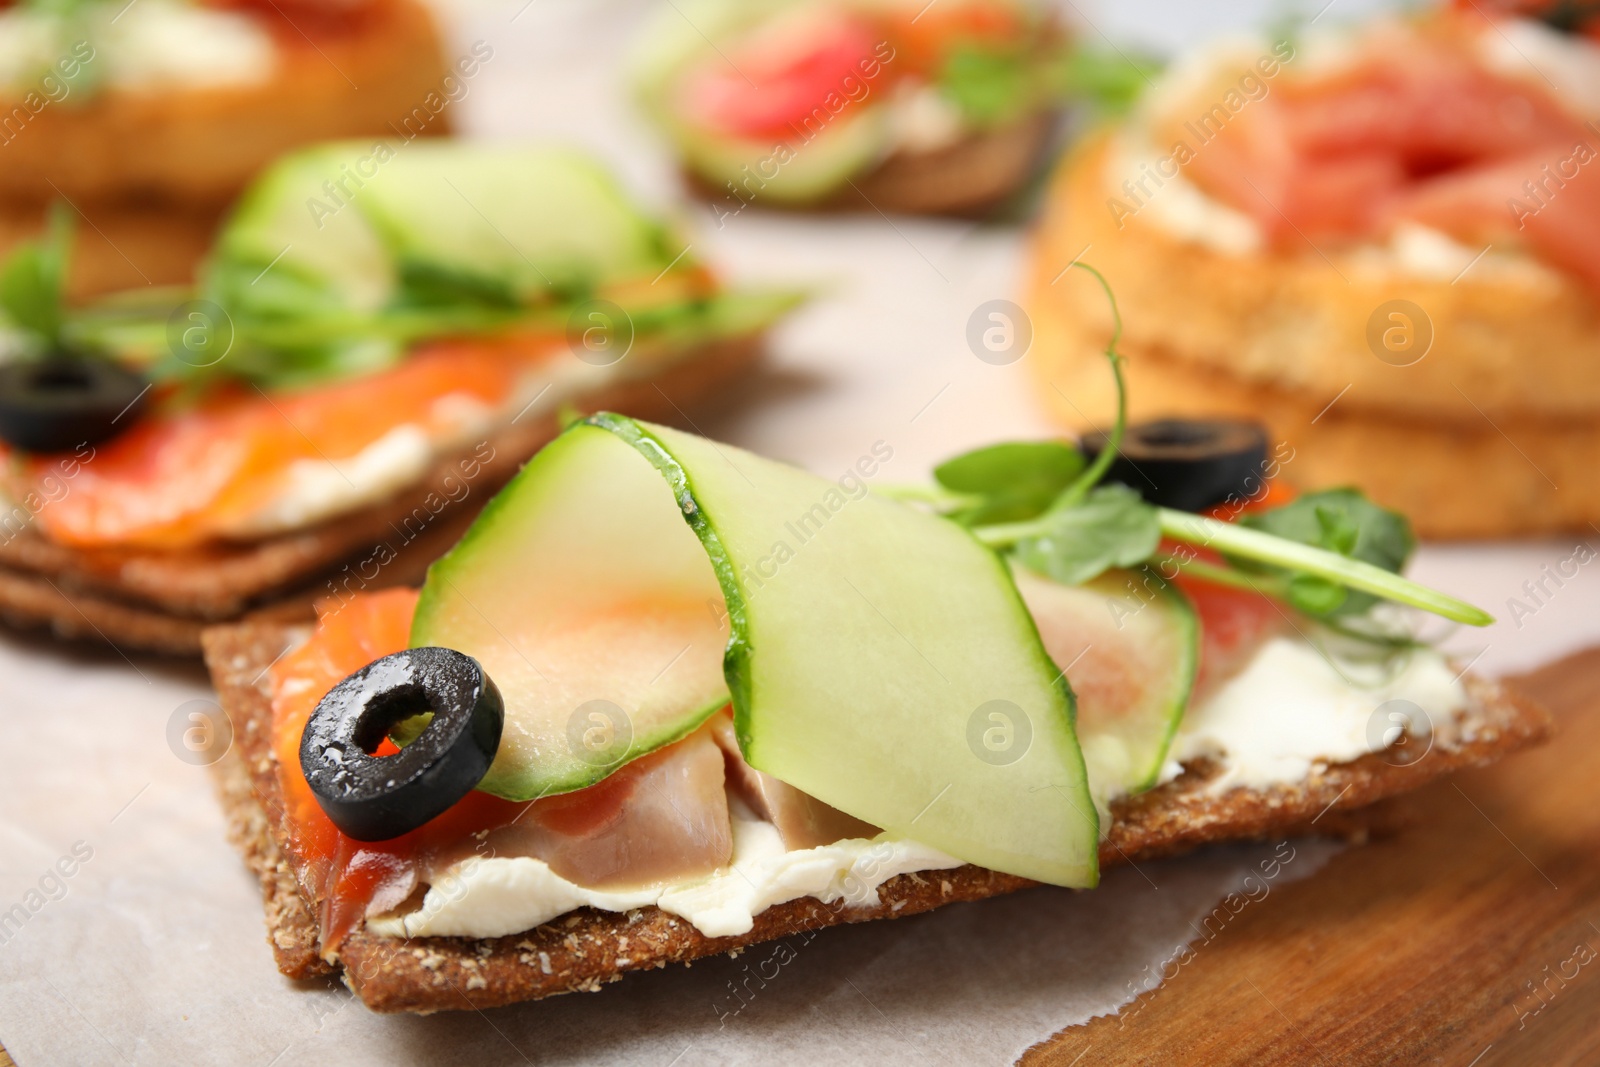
[(149, 46), (1293, 708)]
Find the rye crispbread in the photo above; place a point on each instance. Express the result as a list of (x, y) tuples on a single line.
[(161, 600), (587, 948), (968, 178)]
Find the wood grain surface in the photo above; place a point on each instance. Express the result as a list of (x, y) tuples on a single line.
[(1469, 936)]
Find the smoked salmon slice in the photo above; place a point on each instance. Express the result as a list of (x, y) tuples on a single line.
[(200, 469), (1412, 128), (661, 818)]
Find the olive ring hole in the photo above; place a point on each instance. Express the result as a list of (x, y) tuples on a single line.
[(443, 709), (62, 379), (1187, 464), (388, 710), (1177, 435)]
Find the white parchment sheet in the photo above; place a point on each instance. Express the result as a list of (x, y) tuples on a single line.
[(152, 950)]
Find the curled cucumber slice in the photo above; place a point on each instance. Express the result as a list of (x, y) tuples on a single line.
[(878, 658), (1130, 642)]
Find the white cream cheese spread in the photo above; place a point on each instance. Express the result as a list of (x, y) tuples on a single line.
[(922, 120), (27, 48), (1526, 50), (145, 45), (1178, 205), (312, 490), (492, 897), (1290, 709), (1293, 708), (159, 43)]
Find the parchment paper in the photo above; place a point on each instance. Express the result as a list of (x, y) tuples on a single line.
[(156, 953), (152, 951)]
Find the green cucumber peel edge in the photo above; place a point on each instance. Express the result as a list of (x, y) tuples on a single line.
[(677, 478), (1185, 610), (736, 653), (589, 774)]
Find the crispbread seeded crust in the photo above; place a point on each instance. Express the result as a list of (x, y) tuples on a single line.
[(161, 600), (974, 175), (586, 948)]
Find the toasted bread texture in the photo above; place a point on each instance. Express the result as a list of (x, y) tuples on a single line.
[(969, 177), (150, 174), (187, 145), (120, 245), (587, 948), (1498, 478), (1506, 344), (161, 600), (1486, 435)]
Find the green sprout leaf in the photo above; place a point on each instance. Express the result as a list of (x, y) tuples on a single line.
[(1109, 80), (1016, 481), (1111, 527), (33, 281), (1326, 554), (1345, 522), (990, 86), (1317, 596)]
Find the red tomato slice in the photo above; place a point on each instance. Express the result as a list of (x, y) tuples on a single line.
[(1234, 623), (774, 79)]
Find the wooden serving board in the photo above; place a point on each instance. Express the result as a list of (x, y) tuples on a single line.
[(1469, 936)]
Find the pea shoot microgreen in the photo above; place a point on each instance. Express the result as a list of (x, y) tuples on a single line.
[(1330, 554), (32, 282), (302, 335)]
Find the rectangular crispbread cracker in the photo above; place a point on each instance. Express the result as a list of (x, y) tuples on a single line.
[(970, 178), (161, 600), (582, 950)]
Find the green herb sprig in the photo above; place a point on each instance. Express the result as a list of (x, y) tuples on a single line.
[(33, 284), (1109, 80), (1327, 554)]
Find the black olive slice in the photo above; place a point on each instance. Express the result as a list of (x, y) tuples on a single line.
[(375, 798), (60, 403), (1188, 464)]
